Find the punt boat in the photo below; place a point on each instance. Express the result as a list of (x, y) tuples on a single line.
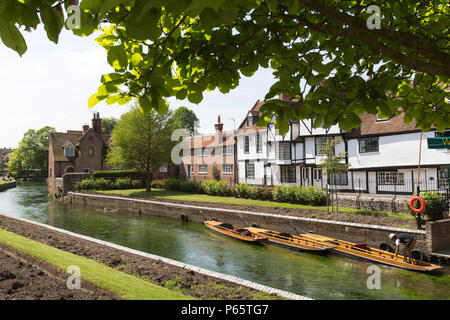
[(231, 231), (365, 252), (298, 243)]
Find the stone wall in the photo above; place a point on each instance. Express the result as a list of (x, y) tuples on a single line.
[(353, 232), (6, 186), (438, 235), (376, 203), (69, 181)]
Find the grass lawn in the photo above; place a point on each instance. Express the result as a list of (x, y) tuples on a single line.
[(184, 196), (123, 284)]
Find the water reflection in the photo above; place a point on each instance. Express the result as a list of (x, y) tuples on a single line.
[(315, 276)]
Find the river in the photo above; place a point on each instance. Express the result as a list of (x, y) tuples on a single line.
[(314, 276)]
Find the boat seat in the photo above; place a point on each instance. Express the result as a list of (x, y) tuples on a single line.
[(361, 246)]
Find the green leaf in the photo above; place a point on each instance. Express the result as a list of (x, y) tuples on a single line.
[(195, 97), (94, 99), (12, 38), (136, 59), (145, 104), (117, 57), (53, 23)]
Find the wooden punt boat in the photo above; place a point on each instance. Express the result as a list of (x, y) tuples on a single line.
[(234, 232), (365, 252), (289, 241)]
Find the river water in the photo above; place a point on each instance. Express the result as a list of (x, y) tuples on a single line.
[(314, 276)]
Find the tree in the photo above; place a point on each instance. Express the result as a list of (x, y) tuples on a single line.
[(31, 154), (332, 165), (185, 118), (108, 125), (142, 141), (328, 54)]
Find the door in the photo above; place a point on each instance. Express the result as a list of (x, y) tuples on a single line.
[(305, 176), (189, 172), (317, 177)]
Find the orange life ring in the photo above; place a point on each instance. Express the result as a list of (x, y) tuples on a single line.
[(422, 205)]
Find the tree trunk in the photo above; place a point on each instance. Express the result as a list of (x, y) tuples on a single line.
[(148, 180)]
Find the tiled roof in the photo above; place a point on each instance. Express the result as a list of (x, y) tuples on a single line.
[(58, 139)]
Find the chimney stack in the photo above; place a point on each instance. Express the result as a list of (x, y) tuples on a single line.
[(85, 128), (219, 128), (97, 123)]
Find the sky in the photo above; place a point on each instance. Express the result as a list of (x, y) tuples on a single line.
[(51, 83)]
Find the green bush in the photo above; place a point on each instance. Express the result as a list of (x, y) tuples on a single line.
[(123, 183), (158, 184), (244, 190), (218, 188), (95, 184), (433, 205), (109, 174), (304, 195), (187, 186), (171, 184)]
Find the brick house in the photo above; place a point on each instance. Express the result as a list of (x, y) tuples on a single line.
[(202, 153), (77, 151)]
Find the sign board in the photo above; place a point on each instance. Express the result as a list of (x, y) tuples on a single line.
[(439, 143)]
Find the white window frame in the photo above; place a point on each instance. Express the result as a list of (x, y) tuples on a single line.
[(164, 168), (227, 150), (200, 168), (227, 169)]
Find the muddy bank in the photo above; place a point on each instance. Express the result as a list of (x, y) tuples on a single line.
[(23, 277), (186, 281), (368, 218)]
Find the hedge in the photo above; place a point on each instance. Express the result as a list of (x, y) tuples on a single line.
[(118, 174), (433, 206)]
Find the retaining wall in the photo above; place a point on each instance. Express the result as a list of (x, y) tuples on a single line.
[(378, 203), (353, 232), (438, 235)]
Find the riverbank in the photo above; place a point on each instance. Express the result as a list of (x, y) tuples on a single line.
[(24, 277), (389, 219), (5, 185), (178, 279)]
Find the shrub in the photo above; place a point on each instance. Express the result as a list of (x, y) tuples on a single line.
[(187, 186), (244, 190), (285, 194), (109, 174), (314, 196), (171, 184), (433, 205), (158, 184), (219, 188), (123, 183), (264, 193), (94, 184)]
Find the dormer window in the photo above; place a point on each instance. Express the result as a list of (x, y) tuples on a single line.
[(69, 150), (250, 120)]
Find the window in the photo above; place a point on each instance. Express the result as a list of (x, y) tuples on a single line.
[(227, 168), (199, 152), (391, 177), (258, 144), (163, 168), (90, 151), (287, 174), (250, 170), (202, 168), (368, 145), (207, 152), (338, 179), (305, 173), (321, 143), (317, 174), (69, 150), (246, 144), (227, 150), (284, 151)]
